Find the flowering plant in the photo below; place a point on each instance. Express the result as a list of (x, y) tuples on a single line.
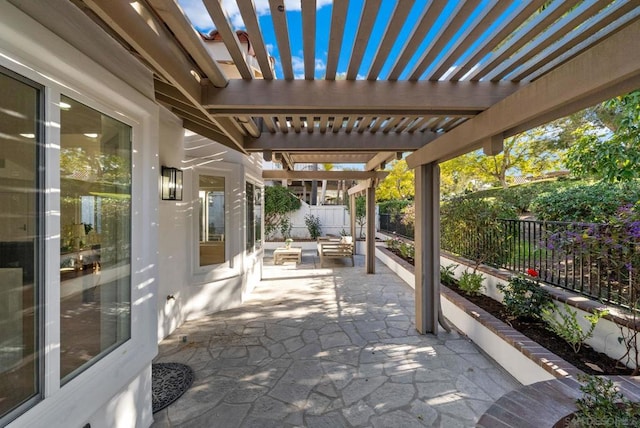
[(532, 273)]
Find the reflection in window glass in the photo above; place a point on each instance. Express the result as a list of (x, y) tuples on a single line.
[(254, 217), (95, 236), (257, 216), (250, 217), (20, 237), (212, 220)]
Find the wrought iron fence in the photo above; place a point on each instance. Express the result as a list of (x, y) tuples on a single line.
[(393, 225), (601, 261), (592, 259)]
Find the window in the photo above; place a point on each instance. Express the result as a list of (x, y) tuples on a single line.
[(95, 236), (21, 216), (257, 216), (254, 217), (211, 194)]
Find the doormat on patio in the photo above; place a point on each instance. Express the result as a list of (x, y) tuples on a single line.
[(168, 382)]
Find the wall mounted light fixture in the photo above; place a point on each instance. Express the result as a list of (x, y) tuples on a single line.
[(171, 184)]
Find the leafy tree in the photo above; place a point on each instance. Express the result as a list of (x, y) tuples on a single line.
[(530, 153), (278, 203), (458, 176), (613, 153), (361, 212), (399, 184)]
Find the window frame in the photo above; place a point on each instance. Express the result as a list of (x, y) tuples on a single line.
[(40, 226), (231, 266), (96, 107), (257, 186)]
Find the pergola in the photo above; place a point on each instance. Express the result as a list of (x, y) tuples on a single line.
[(486, 74)]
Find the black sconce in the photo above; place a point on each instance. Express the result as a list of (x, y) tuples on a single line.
[(171, 184)]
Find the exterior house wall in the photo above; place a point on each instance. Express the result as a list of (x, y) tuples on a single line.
[(70, 55), (173, 227), (115, 391), (187, 291), (56, 45)]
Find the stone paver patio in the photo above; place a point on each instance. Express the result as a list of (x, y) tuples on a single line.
[(330, 347)]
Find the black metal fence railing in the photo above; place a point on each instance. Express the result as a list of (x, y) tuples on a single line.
[(392, 224), (598, 260)]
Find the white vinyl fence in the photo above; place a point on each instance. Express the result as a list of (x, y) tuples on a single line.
[(334, 220)]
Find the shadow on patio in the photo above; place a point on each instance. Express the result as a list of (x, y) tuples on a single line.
[(328, 347)]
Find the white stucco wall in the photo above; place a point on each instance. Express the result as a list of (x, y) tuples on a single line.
[(605, 337), (197, 291), (174, 228), (115, 390)]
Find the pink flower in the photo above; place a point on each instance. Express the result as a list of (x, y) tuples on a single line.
[(532, 272)]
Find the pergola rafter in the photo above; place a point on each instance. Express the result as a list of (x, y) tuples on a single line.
[(446, 78), (477, 55)]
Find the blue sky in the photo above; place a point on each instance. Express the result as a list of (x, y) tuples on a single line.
[(196, 12)]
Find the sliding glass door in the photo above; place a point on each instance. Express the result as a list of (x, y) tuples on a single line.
[(20, 241)]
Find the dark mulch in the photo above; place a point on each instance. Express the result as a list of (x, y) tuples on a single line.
[(585, 360)]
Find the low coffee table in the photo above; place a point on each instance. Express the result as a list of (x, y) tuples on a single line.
[(291, 254)]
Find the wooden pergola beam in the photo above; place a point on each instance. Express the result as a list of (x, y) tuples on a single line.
[(278, 174), (190, 39), (359, 188), (140, 29), (378, 160), (361, 97), (583, 81), (341, 141)]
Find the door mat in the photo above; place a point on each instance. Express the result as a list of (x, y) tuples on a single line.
[(168, 382)]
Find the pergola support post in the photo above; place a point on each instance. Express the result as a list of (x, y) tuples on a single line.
[(427, 251), (370, 261), (352, 215)]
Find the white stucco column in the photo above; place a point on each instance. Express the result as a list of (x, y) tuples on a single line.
[(427, 242)]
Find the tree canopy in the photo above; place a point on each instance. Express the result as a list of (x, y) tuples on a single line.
[(533, 152), (608, 146), (399, 184)]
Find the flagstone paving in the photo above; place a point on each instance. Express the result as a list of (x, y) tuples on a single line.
[(327, 347)]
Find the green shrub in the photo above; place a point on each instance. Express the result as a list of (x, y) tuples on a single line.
[(404, 249), (393, 207), (603, 405), (586, 203), (278, 203), (470, 227), (471, 283), (447, 274), (521, 197), (313, 225), (568, 327), (524, 298)]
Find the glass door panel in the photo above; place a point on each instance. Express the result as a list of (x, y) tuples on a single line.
[(20, 211)]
